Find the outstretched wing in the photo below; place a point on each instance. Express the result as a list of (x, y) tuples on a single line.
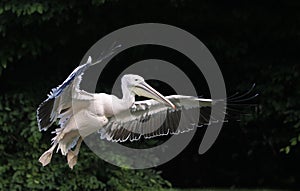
[(60, 99), (150, 118)]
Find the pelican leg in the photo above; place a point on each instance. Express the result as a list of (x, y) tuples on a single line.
[(72, 155), (46, 156)]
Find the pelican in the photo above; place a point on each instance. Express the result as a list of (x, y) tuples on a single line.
[(80, 113)]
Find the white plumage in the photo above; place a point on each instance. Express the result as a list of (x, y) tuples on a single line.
[(80, 113)]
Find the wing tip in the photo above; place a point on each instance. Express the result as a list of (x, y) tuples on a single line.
[(44, 114)]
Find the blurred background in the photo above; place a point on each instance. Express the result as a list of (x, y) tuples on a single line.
[(252, 41)]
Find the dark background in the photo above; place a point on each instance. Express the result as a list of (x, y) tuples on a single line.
[(252, 41)]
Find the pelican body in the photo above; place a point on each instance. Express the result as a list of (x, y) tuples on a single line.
[(80, 113)]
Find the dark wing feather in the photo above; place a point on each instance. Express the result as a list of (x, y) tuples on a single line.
[(49, 109), (44, 113), (60, 98), (151, 119)]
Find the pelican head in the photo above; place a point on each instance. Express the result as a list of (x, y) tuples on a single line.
[(138, 86)]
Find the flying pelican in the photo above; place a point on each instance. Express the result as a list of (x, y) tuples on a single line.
[(80, 113)]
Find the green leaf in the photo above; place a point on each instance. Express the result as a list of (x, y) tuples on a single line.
[(40, 8), (287, 149), (294, 141)]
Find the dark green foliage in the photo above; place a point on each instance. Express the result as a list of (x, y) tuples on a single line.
[(147, 180), (21, 144), (43, 41), (30, 17), (284, 107)]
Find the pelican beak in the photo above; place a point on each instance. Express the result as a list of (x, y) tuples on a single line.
[(144, 89)]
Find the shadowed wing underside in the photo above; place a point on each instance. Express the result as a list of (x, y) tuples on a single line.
[(60, 99), (150, 118)]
